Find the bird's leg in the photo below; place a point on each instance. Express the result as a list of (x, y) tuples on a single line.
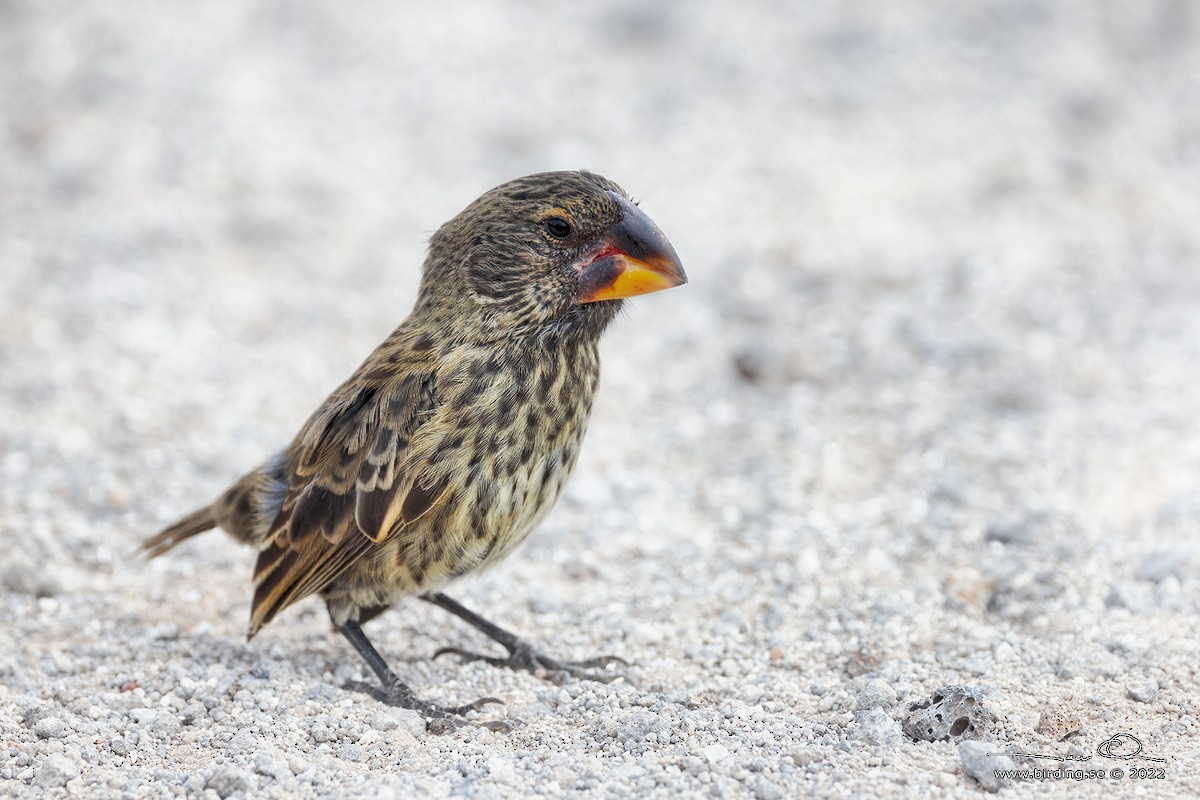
[(368, 613), (521, 654), (438, 719)]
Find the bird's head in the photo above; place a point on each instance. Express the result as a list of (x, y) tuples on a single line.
[(551, 250)]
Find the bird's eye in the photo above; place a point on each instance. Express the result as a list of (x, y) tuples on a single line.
[(558, 227)]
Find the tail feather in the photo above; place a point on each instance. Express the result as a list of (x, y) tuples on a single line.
[(197, 522)]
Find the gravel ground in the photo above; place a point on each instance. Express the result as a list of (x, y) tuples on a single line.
[(928, 414)]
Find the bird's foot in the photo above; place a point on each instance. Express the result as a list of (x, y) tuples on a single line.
[(395, 692), (401, 695), (440, 719), (522, 656)]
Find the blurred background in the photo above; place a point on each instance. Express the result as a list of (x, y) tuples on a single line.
[(933, 383), (921, 216)]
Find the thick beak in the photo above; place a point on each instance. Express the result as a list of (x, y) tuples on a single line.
[(634, 258)]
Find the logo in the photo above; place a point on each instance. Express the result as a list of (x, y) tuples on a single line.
[(1120, 745)]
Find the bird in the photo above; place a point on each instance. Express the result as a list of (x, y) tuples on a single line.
[(450, 443)]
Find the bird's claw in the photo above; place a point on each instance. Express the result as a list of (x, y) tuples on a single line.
[(524, 657), (440, 719), (443, 725)]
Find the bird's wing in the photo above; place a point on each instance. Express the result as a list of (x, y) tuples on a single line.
[(351, 481)]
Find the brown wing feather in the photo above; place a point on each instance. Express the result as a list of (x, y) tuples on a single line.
[(349, 474), (295, 573)]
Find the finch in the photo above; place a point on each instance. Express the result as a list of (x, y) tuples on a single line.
[(450, 443)]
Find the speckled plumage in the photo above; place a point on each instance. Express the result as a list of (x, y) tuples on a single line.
[(455, 437), (478, 440)]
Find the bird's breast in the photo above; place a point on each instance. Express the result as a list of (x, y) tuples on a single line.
[(526, 427), (508, 430)]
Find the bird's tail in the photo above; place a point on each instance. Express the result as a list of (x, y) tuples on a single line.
[(237, 510), (197, 522)]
